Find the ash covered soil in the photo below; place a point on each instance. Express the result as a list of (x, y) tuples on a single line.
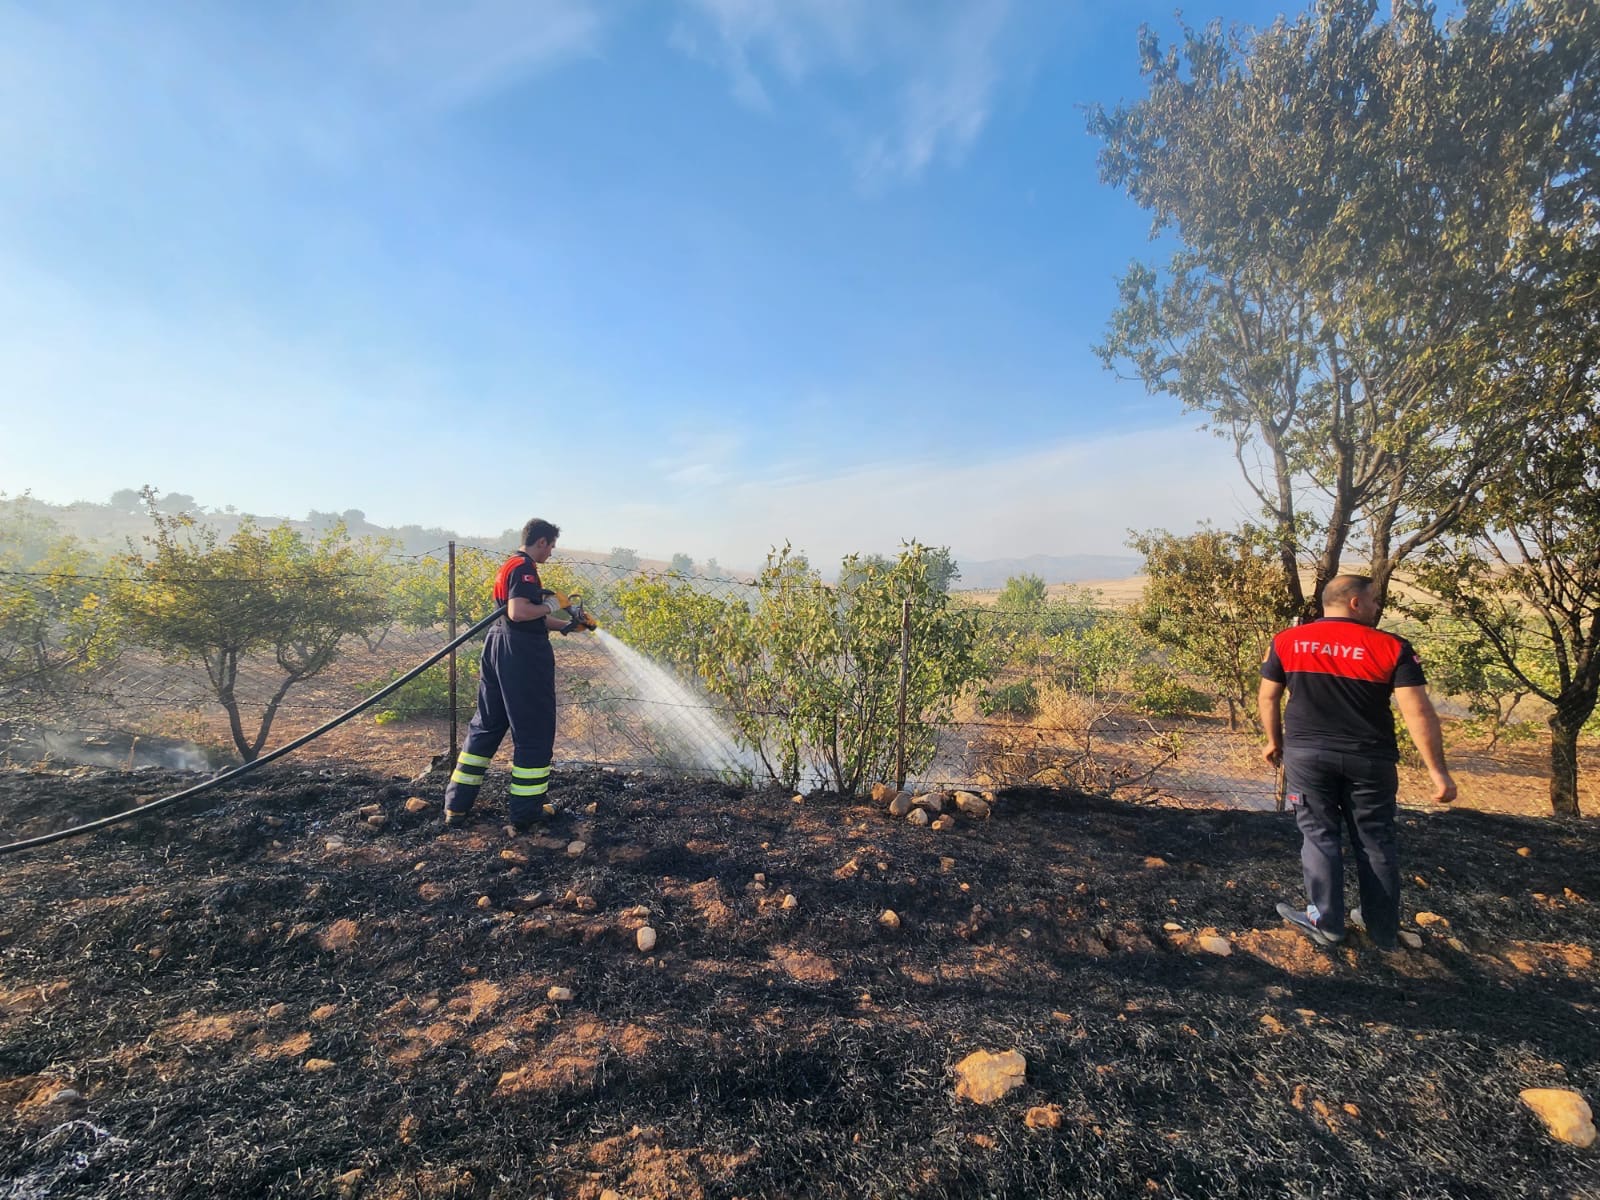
[(264, 995)]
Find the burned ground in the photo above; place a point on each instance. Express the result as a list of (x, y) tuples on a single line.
[(266, 996)]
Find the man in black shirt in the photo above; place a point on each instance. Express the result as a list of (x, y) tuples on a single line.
[(516, 688), (1340, 754)]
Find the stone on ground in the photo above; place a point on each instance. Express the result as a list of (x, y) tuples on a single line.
[(1565, 1114), (984, 1078)]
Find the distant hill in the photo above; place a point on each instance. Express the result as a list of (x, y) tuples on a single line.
[(1052, 568)]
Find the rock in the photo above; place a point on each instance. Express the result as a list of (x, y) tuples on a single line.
[(1212, 944), (797, 798), (985, 1077), (592, 810), (944, 823), (417, 805), (760, 877), (576, 849), (1565, 1114), (1411, 938), (1426, 919), (1172, 927), (1456, 944), (586, 904), (1046, 1116), (323, 1011), (515, 857), (947, 864), (934, 802), (559, 994), (67, 1096), (972, 805), (645, 939), (277, 1010), (883, 791), (1524, 852), (919, 817), (790, 903), (485, 902), (349, 1181), (637, 913), (900, 805), (333, 843), (316, 1065), (1154, 862), (889, 919), (370, 810)]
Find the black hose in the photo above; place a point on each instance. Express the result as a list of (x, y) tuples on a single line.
[(76, 830)]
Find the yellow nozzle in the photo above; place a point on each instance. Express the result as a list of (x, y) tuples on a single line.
[(573, 608)]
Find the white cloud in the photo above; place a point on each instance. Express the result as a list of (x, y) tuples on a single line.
[(930, 70)]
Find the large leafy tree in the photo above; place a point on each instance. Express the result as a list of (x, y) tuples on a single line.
[(263, 596), (1366, 213)]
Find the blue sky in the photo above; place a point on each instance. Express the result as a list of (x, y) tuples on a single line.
[(681, 275)]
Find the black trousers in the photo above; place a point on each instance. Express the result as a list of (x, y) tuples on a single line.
[(1334, 793), (516, 692)]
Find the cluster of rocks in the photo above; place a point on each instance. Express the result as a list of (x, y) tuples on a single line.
[(935, 810)]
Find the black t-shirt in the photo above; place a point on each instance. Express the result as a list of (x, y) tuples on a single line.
[(519, 576), (1340, 674)]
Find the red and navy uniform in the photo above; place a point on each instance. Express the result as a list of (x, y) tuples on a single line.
[(1339, 761), (516, 692), (1340, 675)]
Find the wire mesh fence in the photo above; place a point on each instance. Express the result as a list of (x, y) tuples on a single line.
[(1064, 693)]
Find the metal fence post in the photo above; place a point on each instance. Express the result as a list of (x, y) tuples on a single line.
[(900, 718), (454, 744)]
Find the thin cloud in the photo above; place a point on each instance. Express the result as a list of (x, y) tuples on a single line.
[(930, 71)]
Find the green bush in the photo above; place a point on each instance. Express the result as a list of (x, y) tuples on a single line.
[(1159, 693), (428, 695), (1019, 699)]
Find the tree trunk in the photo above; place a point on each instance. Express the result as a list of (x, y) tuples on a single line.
[(1564, 763)]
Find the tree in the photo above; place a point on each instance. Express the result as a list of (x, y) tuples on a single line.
[(623, 559), (53, 619), (1214, 599), (1363, 208), (682, 564), (1023, 594), (1525, 572), (262, 593), (127, 500), (713, 568)]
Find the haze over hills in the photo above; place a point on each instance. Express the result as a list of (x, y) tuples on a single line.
[(1052, 568), (110, 527)]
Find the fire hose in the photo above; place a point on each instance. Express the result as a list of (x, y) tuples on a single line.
[(230, 776)]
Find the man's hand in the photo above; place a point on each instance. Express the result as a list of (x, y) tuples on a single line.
[(1444, 788), (1272, 755)]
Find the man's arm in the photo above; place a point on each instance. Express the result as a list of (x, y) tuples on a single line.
[(1270, 708), (520, 608), (1422, 723)]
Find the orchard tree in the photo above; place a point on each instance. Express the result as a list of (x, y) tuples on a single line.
[(54, 622), (623, 558), (682, 564), (1525, 572), (1213, 600), (1367, 213), (1023, 594), (262, 594)]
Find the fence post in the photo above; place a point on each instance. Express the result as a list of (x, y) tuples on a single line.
[(900, 717), (453, 732)]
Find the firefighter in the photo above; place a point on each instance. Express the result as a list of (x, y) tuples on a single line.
[(516, 688)]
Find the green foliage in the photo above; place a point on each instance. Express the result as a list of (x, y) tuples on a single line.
[(811, 672), (428, 695), (54, 621), (1023, 594), (681, 564), (1158, 692), (1377, 223), (1019, 699), (420, 593), (1213, 601), (263, 594), (623, 559)]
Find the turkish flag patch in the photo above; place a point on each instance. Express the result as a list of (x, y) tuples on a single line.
[(530, 579)]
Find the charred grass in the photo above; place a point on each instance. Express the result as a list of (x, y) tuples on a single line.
[(265, 996)]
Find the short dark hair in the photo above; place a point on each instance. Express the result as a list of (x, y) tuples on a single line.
[(1337, 591), (539, 528)]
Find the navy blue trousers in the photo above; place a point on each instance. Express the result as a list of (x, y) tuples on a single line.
[(516, 692), (1335, 793)]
